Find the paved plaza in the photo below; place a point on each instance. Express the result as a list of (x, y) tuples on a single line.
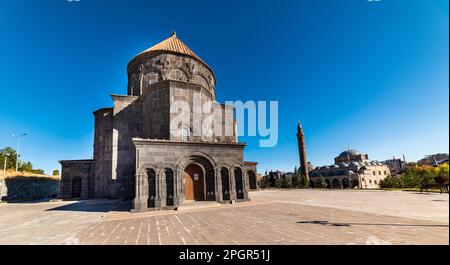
[(273, 217)]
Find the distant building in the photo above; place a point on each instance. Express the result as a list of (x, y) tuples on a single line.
[(276, 174), (396, 166), (434, 160), (288, 175), (352, 169)]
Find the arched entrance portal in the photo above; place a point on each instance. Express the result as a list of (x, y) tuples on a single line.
[(252, 180), (345, 183), (205, 170), (76, 187), (194, 183), (336, 184), (355, 184)]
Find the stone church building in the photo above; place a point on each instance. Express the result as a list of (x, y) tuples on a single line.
[(141, 154)]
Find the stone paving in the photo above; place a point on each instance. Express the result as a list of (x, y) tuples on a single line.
[(427, 206), (272, 217), (47, 222)]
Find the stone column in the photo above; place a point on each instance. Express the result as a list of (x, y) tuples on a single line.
[(180, 187), (232, 185), (245, 184), (140, 202), (176, 194), (158, 192), (219, 195), (162, 188)]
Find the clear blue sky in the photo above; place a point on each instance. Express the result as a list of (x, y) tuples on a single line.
[(370, 75)]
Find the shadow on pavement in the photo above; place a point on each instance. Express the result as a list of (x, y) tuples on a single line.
[(350, 224), (24, 201), (95, 206)]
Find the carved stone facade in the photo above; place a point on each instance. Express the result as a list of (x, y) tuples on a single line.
[(140, 153)]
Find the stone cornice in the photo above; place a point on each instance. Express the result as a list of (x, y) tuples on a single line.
[(76, 161), (140, 141)]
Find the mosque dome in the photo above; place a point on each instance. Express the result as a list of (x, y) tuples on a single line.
[(348, 153)]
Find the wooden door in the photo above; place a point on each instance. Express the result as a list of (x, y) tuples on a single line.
[(188, 186), (194, 183)]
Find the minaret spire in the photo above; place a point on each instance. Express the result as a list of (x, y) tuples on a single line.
[(302, 152)]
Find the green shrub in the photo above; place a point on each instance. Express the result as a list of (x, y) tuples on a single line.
[(392, 182)]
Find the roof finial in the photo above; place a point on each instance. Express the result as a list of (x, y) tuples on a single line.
[(174, 33)]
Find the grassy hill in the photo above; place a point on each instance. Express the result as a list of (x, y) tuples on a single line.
[(13, 174)]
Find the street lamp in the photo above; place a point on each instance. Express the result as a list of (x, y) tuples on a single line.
[(17, 154), (4, 176)]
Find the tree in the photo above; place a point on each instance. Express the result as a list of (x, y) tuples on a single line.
[(321, 183), (304, 182), (295, 179), (286, 183), (38, 171), (426, 176), (272, 179), (56, 172), (264, 182), (444, 172), (410, 178), (11, 162), (26, 166), (392, 182), (418, 177), (277, 183)]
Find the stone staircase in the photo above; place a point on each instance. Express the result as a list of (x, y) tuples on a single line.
[(194, 205)]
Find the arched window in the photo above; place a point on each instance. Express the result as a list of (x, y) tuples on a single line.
[(185, 133)]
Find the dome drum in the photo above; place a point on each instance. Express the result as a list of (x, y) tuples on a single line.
[(169, 60)]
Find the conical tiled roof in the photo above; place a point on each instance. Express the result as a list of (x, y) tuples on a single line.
[(175, 45)]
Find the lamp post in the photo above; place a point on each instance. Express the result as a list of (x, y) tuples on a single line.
[(18, 145), (4, 176)]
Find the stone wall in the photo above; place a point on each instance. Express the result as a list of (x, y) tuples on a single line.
[(30, 188), (127, 123), (156, 111), (103, 150)]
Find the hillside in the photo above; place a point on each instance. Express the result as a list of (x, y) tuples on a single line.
[(13, 174)]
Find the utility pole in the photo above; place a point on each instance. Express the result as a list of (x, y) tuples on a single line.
[(18, 145), (4, 177)]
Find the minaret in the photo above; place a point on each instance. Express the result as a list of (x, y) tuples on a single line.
[(302, 152)]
